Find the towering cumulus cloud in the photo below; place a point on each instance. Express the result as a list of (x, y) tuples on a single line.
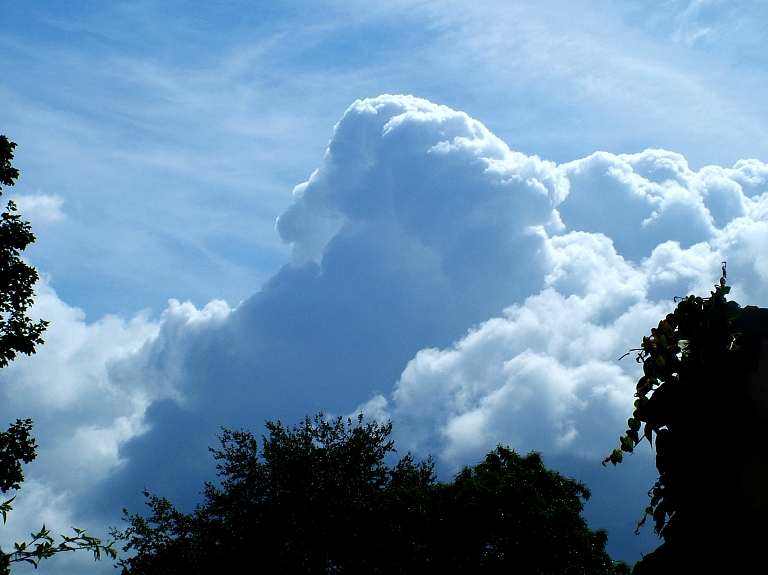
[(473, 294), (419, 224)]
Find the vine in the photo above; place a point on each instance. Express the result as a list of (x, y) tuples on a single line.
[(687, 360)]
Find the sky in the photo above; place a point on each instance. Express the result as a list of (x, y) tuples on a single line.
[(455, 217)]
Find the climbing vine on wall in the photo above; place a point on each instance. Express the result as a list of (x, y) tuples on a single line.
[(685, 363)]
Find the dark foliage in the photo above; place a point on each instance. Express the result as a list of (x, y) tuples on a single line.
[(18, 333), (692, 402), (8, 174), (319, 498), (16, 445)]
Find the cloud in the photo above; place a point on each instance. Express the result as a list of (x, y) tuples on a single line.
[(38, 505), (40, 208), (690, 30), (82, 415), (418, 224), (473, 294), (432, 172), (421, 223), (544, 376), (647, 195), (559, 78), (67, 388), (87, 391)]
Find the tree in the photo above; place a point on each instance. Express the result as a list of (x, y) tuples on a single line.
[(16, 446), (509, 513), (320, 498), (19, 334), (692, 400)]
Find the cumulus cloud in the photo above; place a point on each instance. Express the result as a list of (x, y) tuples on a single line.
[(473, 294), (544, 374), (647, 195), (422, 185), (82, 413), (87, 391), (419, 223)]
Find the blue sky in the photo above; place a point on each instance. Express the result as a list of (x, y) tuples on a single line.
[(469, 261)]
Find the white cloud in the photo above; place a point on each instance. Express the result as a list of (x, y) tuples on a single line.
[(689, 28), (395, 159), (87, 390), (655, 197), (544, 376), (74, 361), (38, 505), (40, 208)]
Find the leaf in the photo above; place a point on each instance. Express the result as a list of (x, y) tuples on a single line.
[(678, 354), (615, 457), (732, 310), (641, 402), (648, 434), (627, 444), (5, 508)]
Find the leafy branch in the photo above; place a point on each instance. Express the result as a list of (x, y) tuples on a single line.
[(686, 359), (17, 446), (43, 545)]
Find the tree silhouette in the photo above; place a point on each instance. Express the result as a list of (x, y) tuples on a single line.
[(693, 404), (319, 498)]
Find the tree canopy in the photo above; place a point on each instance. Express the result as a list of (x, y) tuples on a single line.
[(319, 497)]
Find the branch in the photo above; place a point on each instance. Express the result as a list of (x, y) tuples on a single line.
[(43, 546)]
